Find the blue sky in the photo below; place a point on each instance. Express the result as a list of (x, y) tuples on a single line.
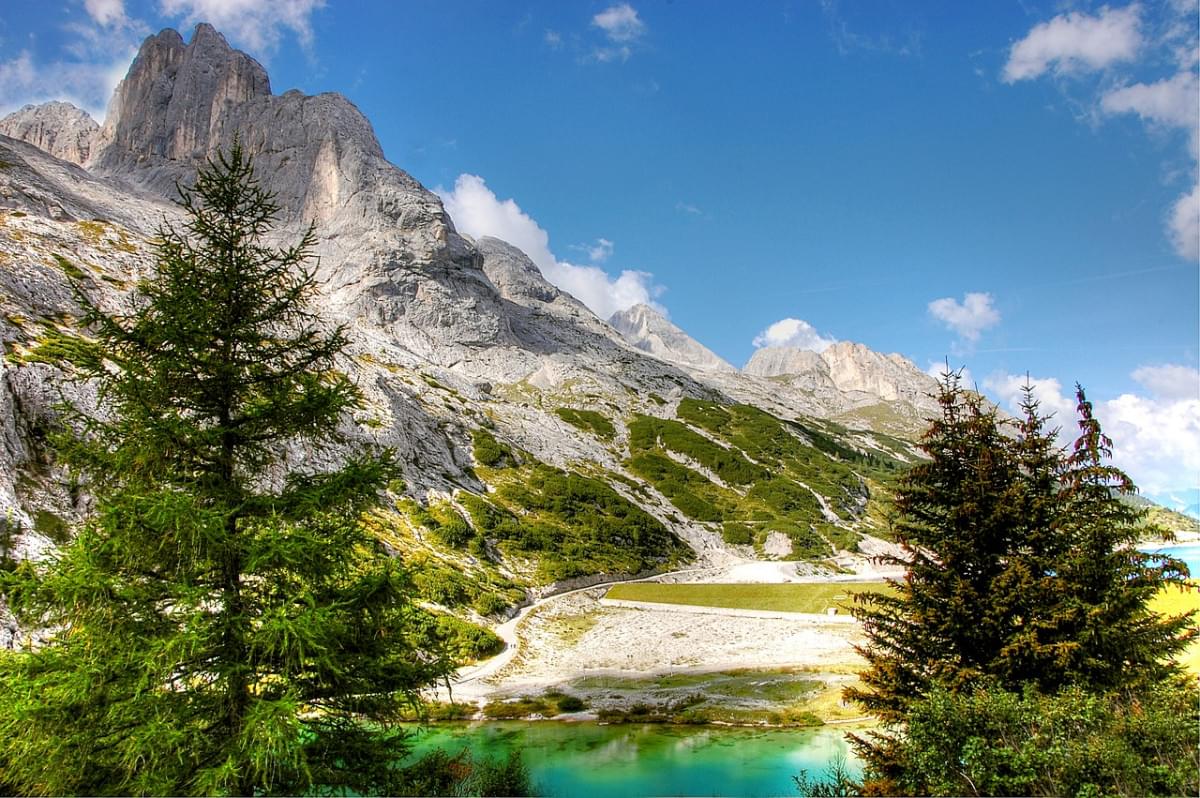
[(1011, 186)]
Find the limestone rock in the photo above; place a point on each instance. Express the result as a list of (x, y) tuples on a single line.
[(58, 128), (650, 331)]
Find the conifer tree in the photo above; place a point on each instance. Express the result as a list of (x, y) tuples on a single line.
[(1107, 582), (957, 514), (221, 624), (1021, 574)]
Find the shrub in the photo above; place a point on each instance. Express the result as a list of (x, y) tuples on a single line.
[(488, 451)]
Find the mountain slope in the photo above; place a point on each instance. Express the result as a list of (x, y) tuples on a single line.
[(537, 444)]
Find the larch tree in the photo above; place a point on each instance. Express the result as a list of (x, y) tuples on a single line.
[(221, 624)]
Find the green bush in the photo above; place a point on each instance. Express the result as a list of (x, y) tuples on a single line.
[(488, 451), (740, 534), (571, 703), (489, 603), (993, 742), (588, 421)]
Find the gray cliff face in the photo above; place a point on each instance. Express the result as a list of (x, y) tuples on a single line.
[(58, 128), (447, 334), (847, 367), (650, 331)]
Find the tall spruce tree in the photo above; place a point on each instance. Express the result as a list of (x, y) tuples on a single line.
[(221, 624), (1021, 573)]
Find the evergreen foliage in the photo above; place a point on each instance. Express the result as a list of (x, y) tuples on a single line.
[(223, 624), (991, 741), (1021, 574)]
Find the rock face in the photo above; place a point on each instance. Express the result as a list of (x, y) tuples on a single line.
[(650, 331), (848, 368), (447, 334), (58, 128)]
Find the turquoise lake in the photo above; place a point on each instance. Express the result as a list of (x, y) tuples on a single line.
[(1188, 552), (582, 760)]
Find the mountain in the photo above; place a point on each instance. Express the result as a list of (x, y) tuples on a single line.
[(540, 446), (58, 128), (648, 330)]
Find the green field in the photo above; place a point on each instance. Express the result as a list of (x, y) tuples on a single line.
[(1176, 601), (787, 597)]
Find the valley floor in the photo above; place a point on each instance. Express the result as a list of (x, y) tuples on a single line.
[(617, 656)]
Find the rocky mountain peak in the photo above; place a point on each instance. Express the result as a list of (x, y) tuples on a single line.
[(648, 330), (58, 128), (847, 367), (175, 97)]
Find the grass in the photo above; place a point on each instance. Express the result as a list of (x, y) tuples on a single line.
[(812, 598), (1176, 601)]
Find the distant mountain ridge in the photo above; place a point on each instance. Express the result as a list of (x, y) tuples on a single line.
[(544, 430)]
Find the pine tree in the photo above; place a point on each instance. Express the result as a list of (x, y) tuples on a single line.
[(222, 624), (1107, 582), (1021, 573), (957, 514)]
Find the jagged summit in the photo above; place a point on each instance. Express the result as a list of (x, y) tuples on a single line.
[(648, 330), (58, 128), (846, 367)]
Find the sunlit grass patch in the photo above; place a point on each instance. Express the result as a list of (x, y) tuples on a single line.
[(1173, 600), (787, 597)]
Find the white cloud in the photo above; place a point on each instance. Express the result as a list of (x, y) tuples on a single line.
[(85, 84), (1172, 102), (1156, 439), (620, 23), (1170, 381), (107, 13), (477, 212), (253, 24), (553, 38), (1006, 389), (794, 333), (967, 318), (1076, 41), (1183, 225), (601, 251)]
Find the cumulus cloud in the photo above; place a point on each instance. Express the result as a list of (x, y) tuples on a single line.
[(968, 318), (1170, 103), (1170, 381), (107, 13), (253, 24), (620, 23), (1008, 390), (795, 333), (1156, 438), (1076, 41), (477, 211), (623, 29)]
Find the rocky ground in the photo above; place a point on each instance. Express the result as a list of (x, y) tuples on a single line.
[(618, 656)]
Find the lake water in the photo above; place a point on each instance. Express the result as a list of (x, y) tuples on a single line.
[(581, 760), (1188, 552)]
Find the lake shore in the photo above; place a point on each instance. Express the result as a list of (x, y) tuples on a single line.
[(618, 658)]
